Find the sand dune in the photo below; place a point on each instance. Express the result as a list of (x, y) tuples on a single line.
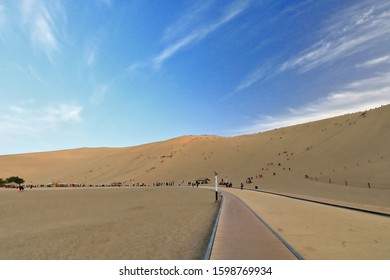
[(344, 158)]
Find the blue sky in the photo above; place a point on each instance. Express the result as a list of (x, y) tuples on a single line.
[(110, 73)]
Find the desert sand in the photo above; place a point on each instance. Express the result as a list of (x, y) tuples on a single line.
[(334, 158), (106, 223), (345, 159)]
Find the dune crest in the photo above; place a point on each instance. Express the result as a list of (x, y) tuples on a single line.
[(344, 158)]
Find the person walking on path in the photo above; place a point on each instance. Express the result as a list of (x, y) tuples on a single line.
[(242, 186)]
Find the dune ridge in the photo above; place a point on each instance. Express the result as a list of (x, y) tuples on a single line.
[(345, 158)]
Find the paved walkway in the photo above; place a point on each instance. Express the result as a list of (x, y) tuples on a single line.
[(379, 210), (241, 235)]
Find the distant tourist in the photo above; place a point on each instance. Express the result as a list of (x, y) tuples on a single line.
[(242, 185)]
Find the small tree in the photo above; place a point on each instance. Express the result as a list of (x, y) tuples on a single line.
[(15, 179)]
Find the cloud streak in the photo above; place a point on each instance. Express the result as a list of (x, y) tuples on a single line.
[(20, 119), (187, 21), (354, 30), (263, 72), (353, 97), (256, 75), (375, 61), (99, 94), (198, 33), (35, 75), (90, 56), (42, 21)]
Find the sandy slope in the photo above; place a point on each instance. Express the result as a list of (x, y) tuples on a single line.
[(349, 151)]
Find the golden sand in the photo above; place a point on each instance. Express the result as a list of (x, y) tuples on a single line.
[(106, 223), (342, 158), (345, 159)]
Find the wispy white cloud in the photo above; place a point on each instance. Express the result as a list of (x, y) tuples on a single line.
[(375, 61), (349, 32), (63, 113), (353, 30), (99, 94), (254, 76), (42, 20), (135, 67), (192, 17), (27, 125), (263, 72), (198, 33), (22, 71), (380, 80), (16, 109), (24, 118), (35, 74), (357, 96), (91, 55)]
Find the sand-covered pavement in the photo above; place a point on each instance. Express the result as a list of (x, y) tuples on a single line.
[(322, 232), (106, 223)]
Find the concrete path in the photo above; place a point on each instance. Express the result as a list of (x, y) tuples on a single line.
[(241, 235)]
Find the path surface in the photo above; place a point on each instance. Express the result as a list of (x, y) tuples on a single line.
[(242, 236), (321, 232)]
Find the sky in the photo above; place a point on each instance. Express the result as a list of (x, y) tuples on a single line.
[(116, 73)]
